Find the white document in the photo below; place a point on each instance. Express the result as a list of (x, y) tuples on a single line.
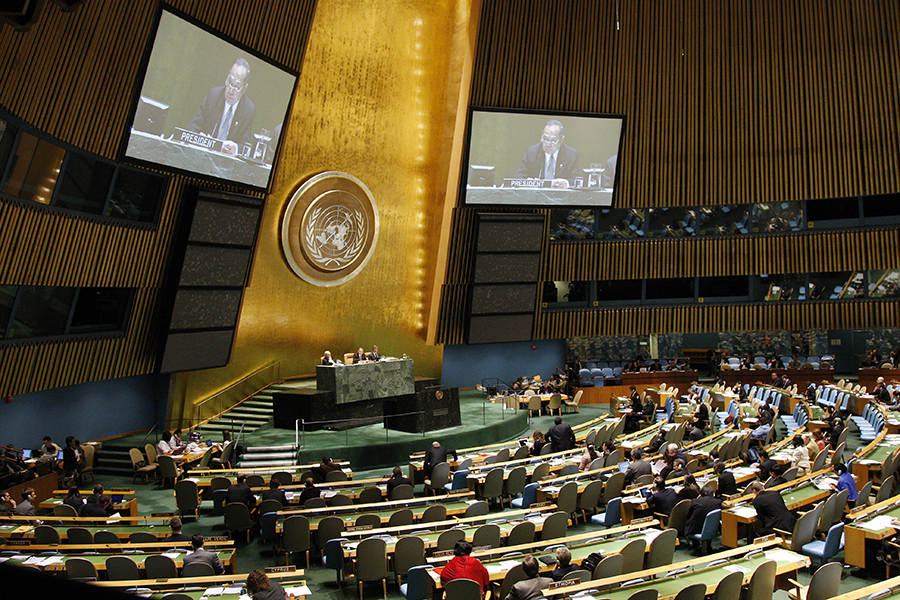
[(300, 590)]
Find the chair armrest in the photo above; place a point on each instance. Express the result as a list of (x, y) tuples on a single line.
[(783, 533)]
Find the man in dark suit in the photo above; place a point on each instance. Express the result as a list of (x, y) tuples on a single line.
[(274, 493), (727, 486), (550, 159), (176, 535), (239, 492), (102, 508), (770, 510), (664, 498), (374, 355), (327, 360), (203, 556), (561, 436), (701, 506), (396, 479), (226, 114), (360, 356), (777, 381), (435, 455)]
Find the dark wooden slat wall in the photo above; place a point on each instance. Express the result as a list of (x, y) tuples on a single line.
[(72, 76), (726, 102)]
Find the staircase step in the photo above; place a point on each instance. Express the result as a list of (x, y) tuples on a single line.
[(258, 410), (254, 464), (257, 402), (287, 448), (270, 456)]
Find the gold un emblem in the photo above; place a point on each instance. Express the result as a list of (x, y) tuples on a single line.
[(330, 228)]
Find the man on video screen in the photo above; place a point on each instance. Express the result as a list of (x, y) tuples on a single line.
[(226, 114), (551, 158)]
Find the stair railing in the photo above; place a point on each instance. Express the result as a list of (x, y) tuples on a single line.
[(234, 394)]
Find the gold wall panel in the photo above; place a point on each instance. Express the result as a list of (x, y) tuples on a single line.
[(377, 98)]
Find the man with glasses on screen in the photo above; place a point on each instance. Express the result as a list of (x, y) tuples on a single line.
[(551, 158), (226, 114)]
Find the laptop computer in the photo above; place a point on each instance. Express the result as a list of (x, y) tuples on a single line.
[(26, 454), (623, 466), (481, 176), (523, 441), (59, 455)]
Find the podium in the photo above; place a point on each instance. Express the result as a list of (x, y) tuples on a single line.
[(431, 407)]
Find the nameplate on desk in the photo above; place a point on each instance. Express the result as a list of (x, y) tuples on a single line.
[(166, 514), (540, 504), (18, 542), (216, 538), (83, 579), (858, 509), (120, 490), (442, 553), (195, 139), (481, 548), (561, 584), (642, 520), (765, 538), (290, 569), (358, 528), (459, 491), (526, 183)]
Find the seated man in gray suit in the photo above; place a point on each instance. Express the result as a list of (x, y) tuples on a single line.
[(529, 589), (200, 555)]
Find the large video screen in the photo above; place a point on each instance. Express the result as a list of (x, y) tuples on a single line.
[(208, 106), (545, 159)]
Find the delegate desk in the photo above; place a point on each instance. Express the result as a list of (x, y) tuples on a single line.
[(57, 562), (177, 583), (869, 527), (876, 455), (698, 571), (207, 161), (367, 380), (498, 568), (796, 495), (540, 196), (126, 507)]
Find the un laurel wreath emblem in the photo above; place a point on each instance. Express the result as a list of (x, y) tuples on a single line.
[(329, 229)]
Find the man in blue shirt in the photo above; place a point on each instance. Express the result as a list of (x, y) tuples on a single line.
[(846, 482)]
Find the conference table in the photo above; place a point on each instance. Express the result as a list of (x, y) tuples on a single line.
[(796, 495), (431, 538), (874, 523), (125, 507), (57, 562), (864, 469), (174, 152), (453, 508), (498, 567), (787, 566), (14, 531)]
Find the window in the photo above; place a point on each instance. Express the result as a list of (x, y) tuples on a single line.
[(31, 312), (35, 168)]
